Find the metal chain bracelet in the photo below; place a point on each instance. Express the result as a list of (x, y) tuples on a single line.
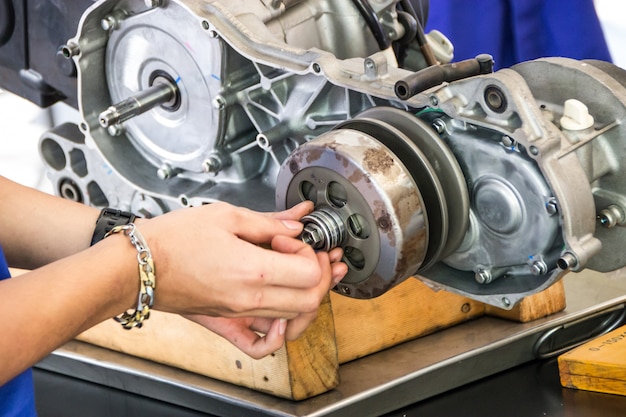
[(147, 278)]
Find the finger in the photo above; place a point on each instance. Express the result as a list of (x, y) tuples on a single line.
[(237, 332), (296, 212), (335, 255), (290, 264), (338, 272), (260, 228), (297, 326), (256, 346)]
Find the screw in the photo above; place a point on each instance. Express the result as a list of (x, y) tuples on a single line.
[(506, 301), (508, 142), (115, 130), (213, 164), (165, 172), (311, 236), (538, 267), (219, 103), (434, 100), (439, 126), (552, 207), (483, 276)]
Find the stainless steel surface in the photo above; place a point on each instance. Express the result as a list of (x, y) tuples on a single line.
[(369, 386)]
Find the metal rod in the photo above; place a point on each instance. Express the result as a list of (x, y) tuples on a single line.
[(143, 101)]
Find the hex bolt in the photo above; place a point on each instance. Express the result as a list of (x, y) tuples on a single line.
[(508, 142), (312, 236), (538, 268), (165, 172), (552, 207), (483, 276), (439, 125), (219, 103), (212, 165), (115, 129)]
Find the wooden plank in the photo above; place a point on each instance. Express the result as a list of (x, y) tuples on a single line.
[(542, 304), (410, 310), (301, 369), (598, 365)]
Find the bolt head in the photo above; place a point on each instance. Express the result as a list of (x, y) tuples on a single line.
[(552, 207), (312, 236), (483, 277), (108, 23)]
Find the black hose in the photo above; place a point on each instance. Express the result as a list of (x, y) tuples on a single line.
[(422, 42), (437, 74), (422, 8), (371, 19)]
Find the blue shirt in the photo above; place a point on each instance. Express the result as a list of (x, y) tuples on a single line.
[(17, 397), (513, 31)]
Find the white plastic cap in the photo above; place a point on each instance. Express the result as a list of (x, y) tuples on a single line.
[(576, 116)]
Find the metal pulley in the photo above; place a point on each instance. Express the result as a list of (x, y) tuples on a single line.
[(369, 181)]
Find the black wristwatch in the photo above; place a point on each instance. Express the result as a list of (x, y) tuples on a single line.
[(108, 219)]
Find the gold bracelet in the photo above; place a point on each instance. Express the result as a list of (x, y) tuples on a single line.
[(147, 278)]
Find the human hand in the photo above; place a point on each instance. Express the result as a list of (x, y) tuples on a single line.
[(210, 261), (259, 336)]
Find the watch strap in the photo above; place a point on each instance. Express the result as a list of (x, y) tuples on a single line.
[(108, 219)]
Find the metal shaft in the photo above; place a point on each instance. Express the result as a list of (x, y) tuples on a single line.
[(159, 93)]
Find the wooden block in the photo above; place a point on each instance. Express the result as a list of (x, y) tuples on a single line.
[(410, 310), (542, 304), (346, 329), (301, 369), (598, 365)]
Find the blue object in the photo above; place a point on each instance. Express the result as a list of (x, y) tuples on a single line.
[(514, 31), (17, 397)]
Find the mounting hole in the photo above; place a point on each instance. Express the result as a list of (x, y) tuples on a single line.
[(354, 257), (53, 154), (69, 190), (308, 191), (495, 99), (336, 194), (358, 226)]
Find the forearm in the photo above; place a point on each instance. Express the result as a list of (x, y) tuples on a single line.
[(45, 308), (37, 228)]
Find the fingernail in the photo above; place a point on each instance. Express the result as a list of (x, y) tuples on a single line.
[(292, 224), (282, 326)]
